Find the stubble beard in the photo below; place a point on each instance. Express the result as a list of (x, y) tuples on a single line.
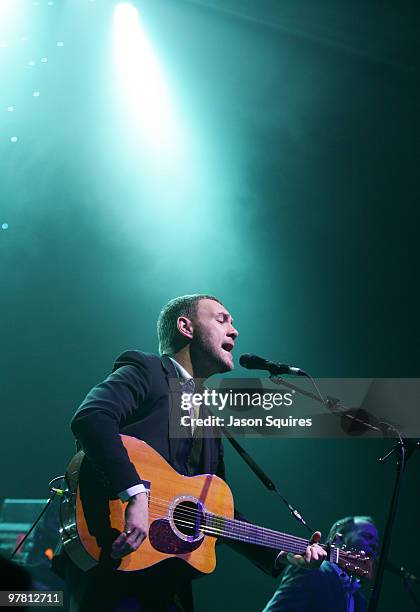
[(208, 360)]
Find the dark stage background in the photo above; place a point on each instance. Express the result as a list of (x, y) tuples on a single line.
[(265, 152)]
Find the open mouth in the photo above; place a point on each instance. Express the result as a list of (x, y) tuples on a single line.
[(227, 346)]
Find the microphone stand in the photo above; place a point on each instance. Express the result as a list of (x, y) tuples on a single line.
[(408, 581), (266, 480), (402, 450), (335, 407), (409, 588)]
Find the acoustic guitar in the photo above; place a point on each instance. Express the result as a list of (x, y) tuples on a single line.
[(186, 516)]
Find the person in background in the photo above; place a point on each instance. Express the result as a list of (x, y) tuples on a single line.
[(328, 588)]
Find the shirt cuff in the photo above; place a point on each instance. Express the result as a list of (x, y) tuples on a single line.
[(131, 491)]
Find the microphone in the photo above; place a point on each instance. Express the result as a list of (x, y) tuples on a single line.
[(402, 572), (253, 362)]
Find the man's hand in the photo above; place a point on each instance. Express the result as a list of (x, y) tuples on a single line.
[(136, 526), (313, 558)]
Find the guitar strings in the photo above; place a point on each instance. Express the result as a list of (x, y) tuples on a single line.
[(230, 522), (251, 539), (299, 547), (211, 531), (208, 530), (232, 527), (237, 527)]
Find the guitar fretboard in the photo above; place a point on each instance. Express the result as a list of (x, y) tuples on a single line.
[(233, 529)]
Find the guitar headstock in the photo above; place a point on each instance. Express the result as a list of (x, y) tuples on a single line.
[(354, 562)]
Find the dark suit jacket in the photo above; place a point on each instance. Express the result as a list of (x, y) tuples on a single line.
[(136, 400), (317, 590)]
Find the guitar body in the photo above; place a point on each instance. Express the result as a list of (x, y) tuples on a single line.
[(186, 515), (91, 521)]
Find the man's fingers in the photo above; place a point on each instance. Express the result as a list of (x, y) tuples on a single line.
[(314, 552), (120, 541), (119, 546), (127, 543), (138, 539), (313, 557), (316, 537)]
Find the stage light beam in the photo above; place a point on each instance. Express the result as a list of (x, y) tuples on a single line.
[(142, 82), (5, 8)]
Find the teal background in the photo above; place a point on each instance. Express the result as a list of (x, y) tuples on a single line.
[(295, 203)]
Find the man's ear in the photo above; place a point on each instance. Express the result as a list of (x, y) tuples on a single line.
[(185, 327)]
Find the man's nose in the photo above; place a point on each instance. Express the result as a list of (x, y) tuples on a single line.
[(233, 333)]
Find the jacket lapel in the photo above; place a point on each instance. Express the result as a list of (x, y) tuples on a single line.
[(174, 406), (174, 402)]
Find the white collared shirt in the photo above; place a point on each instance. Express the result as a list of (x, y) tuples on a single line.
[(181, 371), (184, 375)]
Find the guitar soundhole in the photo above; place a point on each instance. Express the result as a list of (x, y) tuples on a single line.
[(188, 518)]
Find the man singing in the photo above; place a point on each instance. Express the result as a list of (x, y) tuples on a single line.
[(196, 338)]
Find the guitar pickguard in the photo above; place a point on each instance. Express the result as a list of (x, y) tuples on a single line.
[(163, 539)]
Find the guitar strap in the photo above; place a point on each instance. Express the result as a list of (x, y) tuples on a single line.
[(262, 476), (253, 465)]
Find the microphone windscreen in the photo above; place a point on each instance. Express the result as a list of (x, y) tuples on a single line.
[(253, 362)]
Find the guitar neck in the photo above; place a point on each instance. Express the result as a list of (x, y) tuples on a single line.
[(241, 531)]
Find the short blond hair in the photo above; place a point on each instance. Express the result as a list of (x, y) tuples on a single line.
[(170, 340)]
